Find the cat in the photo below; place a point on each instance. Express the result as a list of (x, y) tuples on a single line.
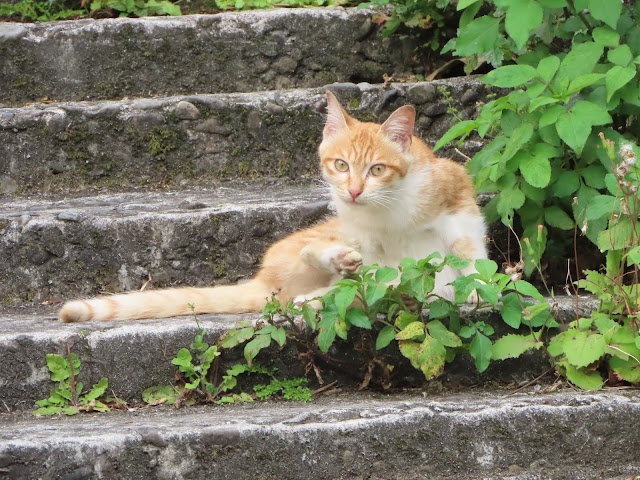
[(394, 199)]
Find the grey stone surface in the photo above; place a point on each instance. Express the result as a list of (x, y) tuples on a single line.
[(157, 142), (462, 436), (64, 246), (137, 355), (229, 52)]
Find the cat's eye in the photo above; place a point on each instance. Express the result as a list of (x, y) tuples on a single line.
[(377, 170), (341, 165)]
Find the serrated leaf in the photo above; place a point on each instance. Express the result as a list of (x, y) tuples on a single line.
[(512, 346), (583, 348), (512, 316), (617, 237), (358, 318), (602, 206), (488, 294), (459, 129), (310, 316), (592, 113), (510, 76), (547, 68), (567, 183), (412, 331), (486, 268), (522, 17), (326, 337), (438, 331), (252, 348), (386, 335), (573, 130), (584, 380), (481, 351), (344, 298), (386, 274), (525, 288), (551, 115), (617, 77), (536, 170), (556, 217), (478, 36), (581, 59), (279, 336), (375, 293), (431, 357)]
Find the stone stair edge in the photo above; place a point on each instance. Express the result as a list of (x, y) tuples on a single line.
[(339, 436), (231, 51), (197, 138)]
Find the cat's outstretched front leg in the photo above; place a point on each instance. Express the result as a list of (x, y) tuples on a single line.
[(338, 259)]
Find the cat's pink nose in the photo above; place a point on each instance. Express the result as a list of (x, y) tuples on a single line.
[(355, 193)]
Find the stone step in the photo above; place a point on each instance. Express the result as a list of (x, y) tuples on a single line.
[(192, 140), (137, 355), (56, 247), (475, 435), (230, 52)]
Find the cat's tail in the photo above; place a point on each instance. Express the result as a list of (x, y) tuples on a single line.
[(243, 298)]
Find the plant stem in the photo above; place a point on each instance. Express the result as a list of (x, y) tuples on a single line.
[(74, 398)]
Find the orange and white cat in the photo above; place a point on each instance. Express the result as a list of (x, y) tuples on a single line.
[(394, 199)]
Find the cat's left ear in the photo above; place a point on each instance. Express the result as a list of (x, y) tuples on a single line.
[(399, 127)]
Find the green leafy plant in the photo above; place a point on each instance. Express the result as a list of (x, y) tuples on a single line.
[(39, 11), (259, 4), (291, 389), (67, 397), (138, 8)]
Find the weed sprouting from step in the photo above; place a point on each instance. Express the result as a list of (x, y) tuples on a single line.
[(195, 366), (67, 397)]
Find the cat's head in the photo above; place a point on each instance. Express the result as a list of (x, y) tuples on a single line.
[(365, 162)]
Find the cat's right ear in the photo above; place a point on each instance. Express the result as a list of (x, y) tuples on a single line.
[(336, 117)]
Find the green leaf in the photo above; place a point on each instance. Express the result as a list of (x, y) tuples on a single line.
[(594, 176), (279, 336), (465, 3), (535, 170), (580, 60), (486, 268), (358, 318), (617, 77), (459, 129), (481, 351), (438, 331), (479, 36), (510, 76), (607, 11), (310, 316), (431, 357), (606, 37), (551, 115), (522, 17), (593, 113), (344, 298), (620, 56), (488, 294), (584, 81), (517, 139), (602, 206), (512, 346), (96, 391), (386, 335), (583, 348), (525, 288), (410, 350), (567, 183), (548, 67), (411, 331), (58, 366), (252, 348), (617, 237), (510, 199), (440, 308), (326, 337), (386, 274), (556, 217), (375, 293), (160, 392), (183, 358), (584, 380), (574, 130)]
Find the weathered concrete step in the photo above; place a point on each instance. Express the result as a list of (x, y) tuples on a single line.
[(137, 355), (194, 139), (230, 52), (566, 435), (65, 246)]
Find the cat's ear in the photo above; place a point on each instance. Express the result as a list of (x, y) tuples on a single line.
[(399, 127), (336, 117)]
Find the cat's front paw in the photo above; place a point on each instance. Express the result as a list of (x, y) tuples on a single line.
[(345, 260)]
